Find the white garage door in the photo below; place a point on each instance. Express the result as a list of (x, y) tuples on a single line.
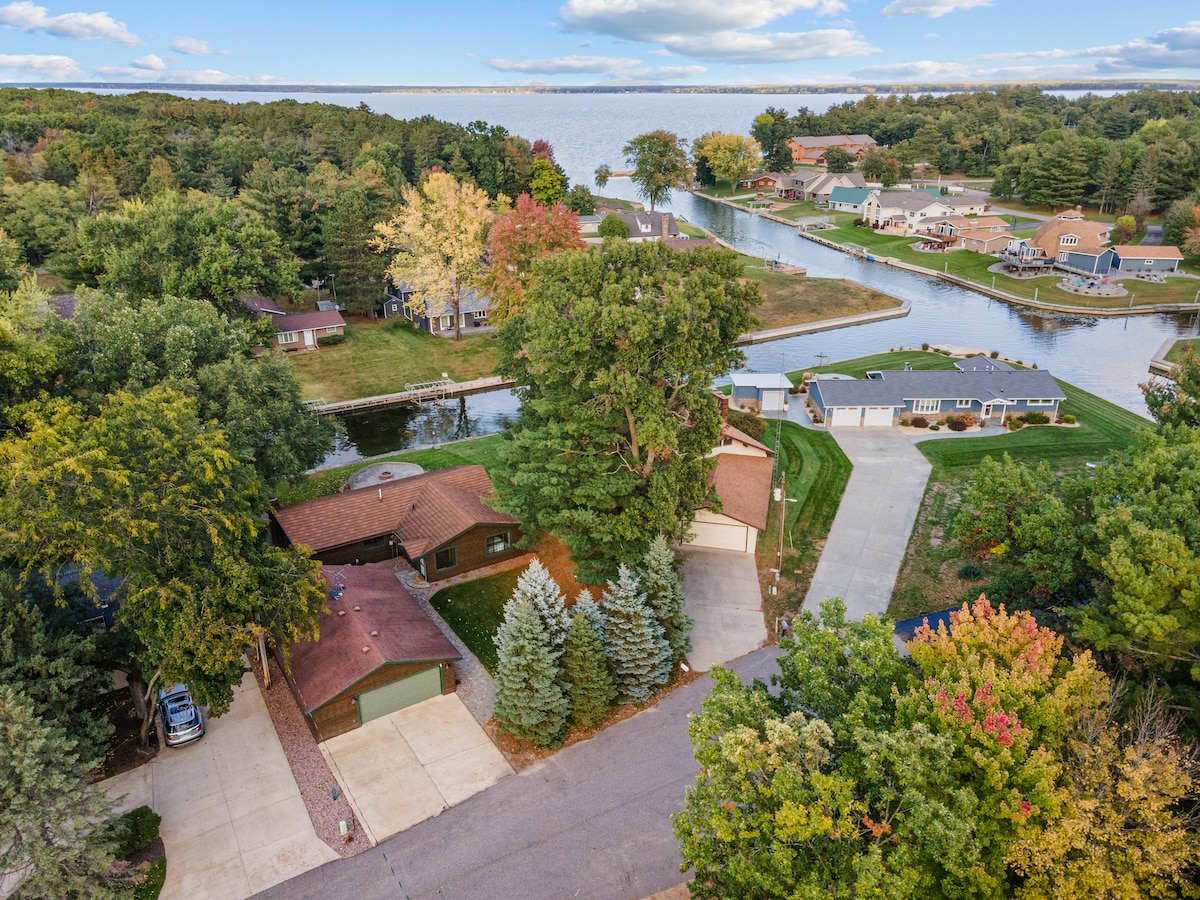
[(878, 415), (772, 401), (720, 536), (845, 416)]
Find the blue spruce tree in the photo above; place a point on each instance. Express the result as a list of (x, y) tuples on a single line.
[(530, 703), (633, 640)]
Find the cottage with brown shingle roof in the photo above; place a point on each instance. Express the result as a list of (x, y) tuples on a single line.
[(742, 481), (436, 520), (1068, 242), (378, 652)]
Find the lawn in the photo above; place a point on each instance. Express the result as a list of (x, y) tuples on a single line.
[(483, 451), (930, 578), (790, 299), (1181, 348), (816, 474), (475, 609), (893, 359), (381, 357)]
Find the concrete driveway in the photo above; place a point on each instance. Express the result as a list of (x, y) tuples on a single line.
[(870, 533), (232, 818), (721, 594), (405, 767)]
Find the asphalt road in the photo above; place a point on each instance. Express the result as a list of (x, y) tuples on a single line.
[(591, 821)]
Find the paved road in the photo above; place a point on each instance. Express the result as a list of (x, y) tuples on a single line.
[(590, 822), (870, 532), (1154, 236)]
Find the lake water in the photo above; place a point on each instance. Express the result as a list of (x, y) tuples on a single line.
[(1108, 356)]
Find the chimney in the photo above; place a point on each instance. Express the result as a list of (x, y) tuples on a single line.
[(722, 405), (665, 227)]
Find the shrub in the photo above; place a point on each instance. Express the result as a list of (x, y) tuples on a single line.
[(611, 226), (135, 829), (970, 572), (968, 420), (1069, 419), (905, 422), (327, 340), (1036, 418), (995, 354), (925, 346), (956, 425), (935, 427), (1015, 424), (920, 422), (751, 425)]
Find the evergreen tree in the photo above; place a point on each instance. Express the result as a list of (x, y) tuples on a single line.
[(348, 232), (530, 703), (535, 586), (660, 578), (640, 655), (589, 682), (592, 612)]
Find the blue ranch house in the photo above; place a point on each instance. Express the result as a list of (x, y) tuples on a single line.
[(988, 389)]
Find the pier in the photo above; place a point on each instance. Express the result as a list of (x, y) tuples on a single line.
[(421, 392)]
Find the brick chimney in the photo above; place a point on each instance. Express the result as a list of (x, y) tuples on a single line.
[(722, 405), (665, 227)]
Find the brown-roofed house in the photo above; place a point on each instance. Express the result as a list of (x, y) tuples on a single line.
[(436, 520), (303, 331), (742, 480), (1142, 258), (378, 652), (810, 150)]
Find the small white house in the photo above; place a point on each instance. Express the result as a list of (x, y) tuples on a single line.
[(760, 391)]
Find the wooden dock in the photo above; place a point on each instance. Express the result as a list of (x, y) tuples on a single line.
[(423, 392)]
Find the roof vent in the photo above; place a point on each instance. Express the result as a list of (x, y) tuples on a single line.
[(374, 634), (341, 612), (366, 649), (358, 609)]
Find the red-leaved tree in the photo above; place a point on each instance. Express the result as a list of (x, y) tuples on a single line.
[(518, 239)]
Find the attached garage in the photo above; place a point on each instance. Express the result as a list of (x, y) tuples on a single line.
[(877, 416), (378, 652), (718, 532), (844, 417), (743, 483)]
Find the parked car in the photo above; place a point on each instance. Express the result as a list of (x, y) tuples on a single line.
[(183, 722)]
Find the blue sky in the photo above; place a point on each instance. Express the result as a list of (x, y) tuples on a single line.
[(482, 42)]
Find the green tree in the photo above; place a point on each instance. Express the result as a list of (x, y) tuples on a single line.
[(589, 683), (660, 164), (348, 233), (732, 157), (1124, 230), (530, 703), (539, 590), (659, 576), (40, 216), (192, 246), (33, 345), (580, 200), (838, 160), (633, 639), (11, 266), (615, 349), (549, 185), (516, 241), (1179, 219), (771, 129), (436, 243), (704, 173), (56, 839), (613, 226)]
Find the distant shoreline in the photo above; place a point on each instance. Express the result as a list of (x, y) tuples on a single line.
[(873, 88)]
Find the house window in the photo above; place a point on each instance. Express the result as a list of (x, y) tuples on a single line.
[(447, 322), (1039, 402), (445, 559), (1069, 240), (963, 404), (1149, 264), (499, 543), (1062, 257), (332, 330), (925, 406), (289, 337), (479, 314), (375, 543)]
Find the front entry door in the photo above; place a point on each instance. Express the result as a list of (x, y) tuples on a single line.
[(987, 411)]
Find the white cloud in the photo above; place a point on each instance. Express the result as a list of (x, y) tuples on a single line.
[(55, 68), (922, 70), (769, 47), (185, 76), (1172, 48), (651, 20), (933, 36), (25, 16), (662, 73), (190, 46), (934, 9), (149, 63), (565, 65)]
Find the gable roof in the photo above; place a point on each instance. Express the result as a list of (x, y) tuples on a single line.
[(469, 301), (854, 195), (305, 321), (896, 388), (1092, 235), (984, 234), (914, 201), (1146, 251), (833, 140), (728, 432), (382, 623), (761, 380), (260, 306), (425, 510), (744, 485), (983, 364), (649, 224)]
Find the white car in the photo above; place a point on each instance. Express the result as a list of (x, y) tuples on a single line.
[(183, 722)]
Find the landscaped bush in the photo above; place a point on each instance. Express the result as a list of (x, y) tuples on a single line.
[(920, 422), (1015, 424), (1036, 418), (329, 340), (956, 425), (752, 425), (995, 354), (905, 422), (135, 829), (970, 572), (1069, 419), (925, 346), (968, 419), (935, 427)]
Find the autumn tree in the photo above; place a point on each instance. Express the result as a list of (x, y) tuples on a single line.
[(517, 240), (548, 185), (732, 156), (615, 349), (1176, 400), (660, 165), (436, 243)]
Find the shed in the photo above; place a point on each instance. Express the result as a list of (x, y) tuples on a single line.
[(378, 652), (761, 391), (1146, 258)]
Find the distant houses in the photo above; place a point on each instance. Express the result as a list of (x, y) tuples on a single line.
[(810, 151), (913, 211)]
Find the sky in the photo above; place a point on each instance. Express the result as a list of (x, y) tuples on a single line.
[(585, 42)]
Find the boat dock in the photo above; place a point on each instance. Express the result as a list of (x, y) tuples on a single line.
[(421, 392)]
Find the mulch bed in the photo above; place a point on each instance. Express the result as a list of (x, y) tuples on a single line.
[(312, 773), (125, 752)]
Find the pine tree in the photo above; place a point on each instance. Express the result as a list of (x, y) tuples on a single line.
[(660, 578), (530, 703), (537, 587), (590, 686), (640, 655), (592, 612)]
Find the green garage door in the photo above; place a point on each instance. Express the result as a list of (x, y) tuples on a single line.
[(399, 694)]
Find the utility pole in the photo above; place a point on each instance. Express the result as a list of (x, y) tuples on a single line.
[(782, 513)]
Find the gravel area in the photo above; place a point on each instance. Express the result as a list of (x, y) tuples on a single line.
[(312, 774)]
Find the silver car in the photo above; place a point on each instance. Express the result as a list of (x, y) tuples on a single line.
[(183, 722)]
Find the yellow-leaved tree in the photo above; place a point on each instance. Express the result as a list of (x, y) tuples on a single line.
[(437, 245)]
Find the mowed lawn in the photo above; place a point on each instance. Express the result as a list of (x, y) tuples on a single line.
[(381, 357), (797, 299)]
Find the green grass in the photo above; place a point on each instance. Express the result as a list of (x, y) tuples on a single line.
[(475, 610), (892, 360), (483, 451), (816, 475), (1177, 352), (381, 357), (691, 230)]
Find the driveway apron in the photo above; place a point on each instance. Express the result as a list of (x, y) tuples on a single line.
[(870, 533), (721, 595)]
